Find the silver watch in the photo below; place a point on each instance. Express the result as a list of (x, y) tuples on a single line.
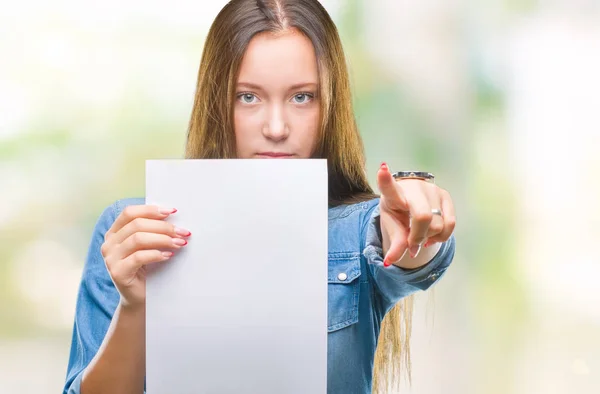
[(426, 176)]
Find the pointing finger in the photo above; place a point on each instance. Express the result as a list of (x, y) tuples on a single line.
[(389, 190)]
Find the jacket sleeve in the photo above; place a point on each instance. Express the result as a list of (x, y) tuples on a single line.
[(395, 283), (97, 300)]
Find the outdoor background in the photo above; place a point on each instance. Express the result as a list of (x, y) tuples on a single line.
[(498, 98)]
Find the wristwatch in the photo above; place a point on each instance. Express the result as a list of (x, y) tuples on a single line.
[(426, 176)]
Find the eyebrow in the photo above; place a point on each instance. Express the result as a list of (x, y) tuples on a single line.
[(293, 87)]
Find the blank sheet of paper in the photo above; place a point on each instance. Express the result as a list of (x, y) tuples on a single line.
[(243, 307)]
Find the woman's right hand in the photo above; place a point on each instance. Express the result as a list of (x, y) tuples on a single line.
[(139, 236)]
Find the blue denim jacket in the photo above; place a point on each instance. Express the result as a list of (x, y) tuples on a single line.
[(360, 292)]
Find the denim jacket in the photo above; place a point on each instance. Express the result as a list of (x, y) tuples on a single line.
[(360, 292)]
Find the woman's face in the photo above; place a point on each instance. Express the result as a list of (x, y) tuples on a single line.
[(276, 112)]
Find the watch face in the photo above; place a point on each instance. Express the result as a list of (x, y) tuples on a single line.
[(414, 174)]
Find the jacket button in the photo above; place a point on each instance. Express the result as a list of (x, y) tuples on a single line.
[(342, 276)]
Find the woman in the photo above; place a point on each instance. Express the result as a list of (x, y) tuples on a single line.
[(273, 83)]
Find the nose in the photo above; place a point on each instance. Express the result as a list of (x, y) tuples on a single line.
[(276, 128)]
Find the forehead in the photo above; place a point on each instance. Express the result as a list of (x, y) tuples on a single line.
[(285, 58)]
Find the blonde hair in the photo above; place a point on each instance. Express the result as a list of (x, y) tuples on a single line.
[(210, 131)]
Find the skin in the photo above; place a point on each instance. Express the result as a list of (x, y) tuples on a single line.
[(277, 107), (276, 116)]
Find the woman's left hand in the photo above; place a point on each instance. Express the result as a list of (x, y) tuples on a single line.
[(407, 219)]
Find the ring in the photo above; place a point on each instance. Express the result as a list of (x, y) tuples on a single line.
[(436, 211)]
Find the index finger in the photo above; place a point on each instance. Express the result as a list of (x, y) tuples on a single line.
[(132, 212), (389, 190)]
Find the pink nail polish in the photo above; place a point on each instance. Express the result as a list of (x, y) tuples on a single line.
[(179, 242), (166, 211), (183, 232), (384, 166)]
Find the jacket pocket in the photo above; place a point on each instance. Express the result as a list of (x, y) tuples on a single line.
[(342, 290)]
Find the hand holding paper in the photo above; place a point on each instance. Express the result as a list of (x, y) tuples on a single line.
[(138, 237)]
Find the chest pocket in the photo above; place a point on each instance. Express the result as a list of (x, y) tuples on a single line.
[(343, 286)]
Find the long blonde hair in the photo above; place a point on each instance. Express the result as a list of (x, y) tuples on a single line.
[(210, 131)]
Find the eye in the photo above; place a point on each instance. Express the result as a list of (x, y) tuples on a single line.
[(247, 98), (302, 98)]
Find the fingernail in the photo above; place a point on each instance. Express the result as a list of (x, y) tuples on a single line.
[(166, 255), (384, 166), (414, 250), (386, 262), (183, 232), (166, 211), (179, 242)]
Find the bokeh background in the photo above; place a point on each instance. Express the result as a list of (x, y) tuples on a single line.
[(498, 98)]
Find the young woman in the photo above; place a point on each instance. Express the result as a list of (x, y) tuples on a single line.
[(273, 84)]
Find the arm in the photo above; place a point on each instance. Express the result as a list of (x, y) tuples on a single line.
[(107, 348), (119, 366), (108, 345)]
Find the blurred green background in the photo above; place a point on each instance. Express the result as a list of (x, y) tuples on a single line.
[(498, 98)]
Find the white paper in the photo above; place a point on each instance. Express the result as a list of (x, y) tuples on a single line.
[(243, 307)]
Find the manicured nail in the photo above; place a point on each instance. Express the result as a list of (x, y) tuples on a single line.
[(386, 262), (167, 255), (384, 166), (179, 242), (414, 251), (166, 211), (183, 232)]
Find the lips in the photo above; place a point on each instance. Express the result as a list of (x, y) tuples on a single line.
[(275, 154)]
